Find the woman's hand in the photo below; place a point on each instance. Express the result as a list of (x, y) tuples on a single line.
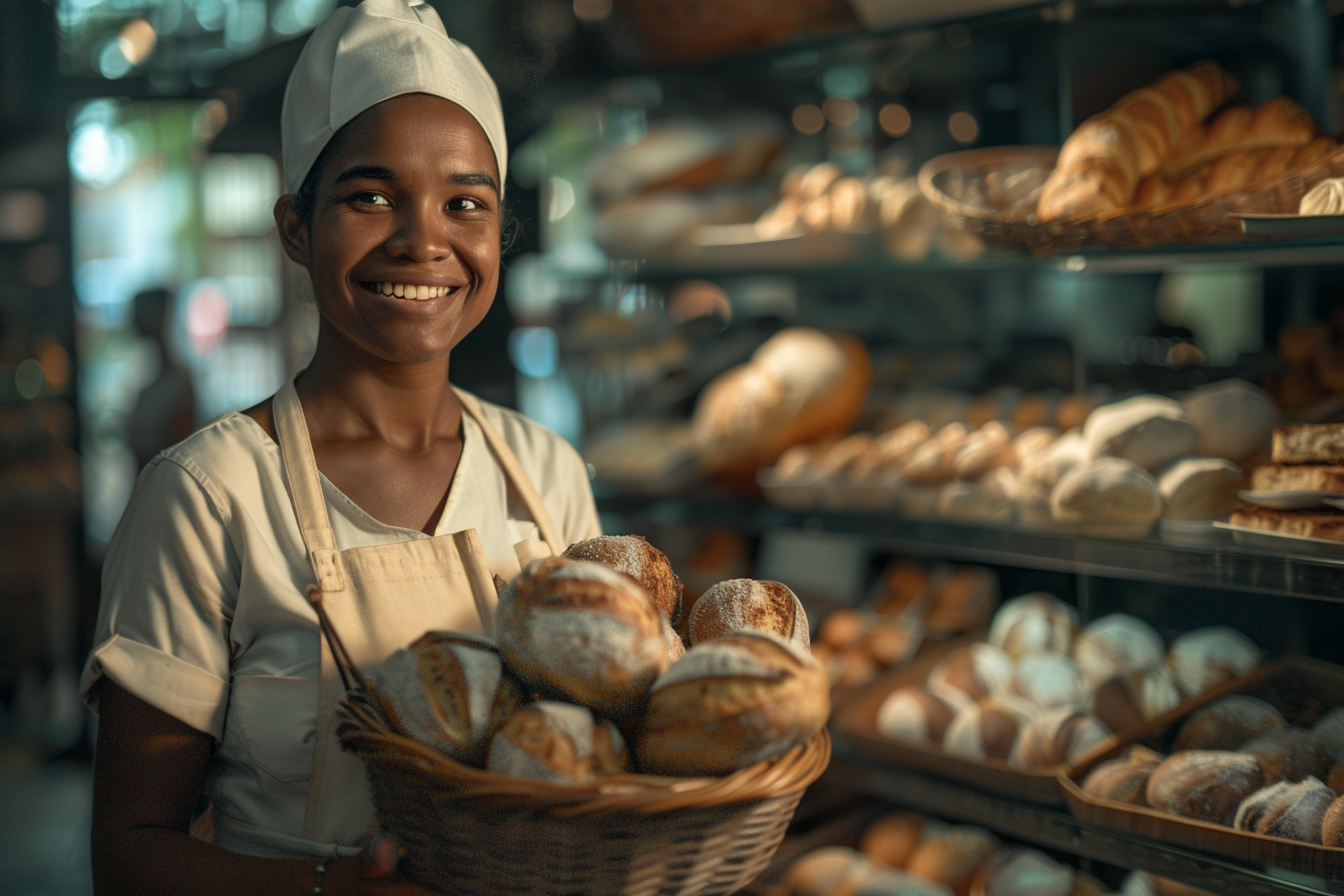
[(372, 874)]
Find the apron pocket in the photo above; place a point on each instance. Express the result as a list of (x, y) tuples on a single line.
[(277, 720)]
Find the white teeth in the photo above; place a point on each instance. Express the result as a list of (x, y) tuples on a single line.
[(399, 290), (409, 291)]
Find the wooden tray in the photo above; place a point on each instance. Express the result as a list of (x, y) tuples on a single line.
[(856, 722), (1302, 689)]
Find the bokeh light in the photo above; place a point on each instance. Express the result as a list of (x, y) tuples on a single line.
[(963, 127), (809, 118), (894, 119), (840, 110)]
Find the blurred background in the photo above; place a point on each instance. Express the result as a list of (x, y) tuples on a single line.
[(143, 291)]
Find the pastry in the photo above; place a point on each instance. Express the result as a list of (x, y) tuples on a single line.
[(634, 556), (1297, 477), (1200, 488), (1203, 658), (1034, 623), (1150, 430), (1205, 784), (557, 742), (914, 715), (1114, 644), (988, 730), (748, 604), (1294, 811), (1108, 497), (1313, 443), (983, 450), (971, 673), (1123, 779), (1227, 724)]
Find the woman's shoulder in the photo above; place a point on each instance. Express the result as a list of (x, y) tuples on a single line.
[(538, 448), (226, 448)]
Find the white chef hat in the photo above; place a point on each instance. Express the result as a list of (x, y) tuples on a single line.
[(362, 55)]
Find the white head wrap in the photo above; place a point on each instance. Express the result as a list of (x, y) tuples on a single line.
[(362, 55)]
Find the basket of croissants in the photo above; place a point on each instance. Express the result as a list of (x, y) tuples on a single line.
[(587, 748), (1172, 162)]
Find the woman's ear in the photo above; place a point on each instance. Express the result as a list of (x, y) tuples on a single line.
[(293, 230)]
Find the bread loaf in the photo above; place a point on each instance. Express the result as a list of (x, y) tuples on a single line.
[(557, 742), (971, 673), (827, 871), (894, 640), (1059, 737), (890, 882), (933, 461), (988, 730), (1332, 825), (1103, 160), (1036, 622), (914, 715), (1294, 811), (1049, 680), (1330, 729), (731, 702), (1289, 754), (1233, 419), (963, 601), (983, 450), (1108, 497), (1023, 872), (449, 691), (1203, 658), (1128, 699), (891, 839), (1038, 475), (747, 604), (988, 500), (582, 632), (1200, 488), (954, 858), (634, 556), (1205, 784), (1124, 778), (1118, 643), (1227, 724), (1318, 443), (1149, 430)]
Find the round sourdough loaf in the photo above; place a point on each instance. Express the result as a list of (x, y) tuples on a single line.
[(1117, 643), (1291, 810), (969, 674), (1227, 724), (1109, 497), (731, 702), (449, 691), (1289, 754), (557, 742), (1332, 825), (582, 632), (748, 605), (1034, 623), (1233, 419), (1203, 658), (1205, 784), (890, 882), (1049, 680), (1023, 872), (954, 858), (1149, 430), (1200, 488), (1058, 737), (1128, 699), (1330, 729), (914, 715), (827, 871), (1124, 778), (891, 839), (988, 730), (634, 556)]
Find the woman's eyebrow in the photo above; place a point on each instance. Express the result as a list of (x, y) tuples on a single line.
[(365, 172), (474, 180)]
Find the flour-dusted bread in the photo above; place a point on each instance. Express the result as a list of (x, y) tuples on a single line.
[(963, 601), (1200, 488), (1203, 658), (581, 632), (914, 715), (1292, 810), (1330, 729), (1233, 419), (1227, 724), (1117, 643), (1149, 430), (1020, 871), (988, 448), (954, 858), (1126, 700), (731, 702), (988, 499), (990, 729), (1110, 497), (634, 556), (826, 871), (1039, 473), (1057, 737), (557, 742), (1124, 778), (969, 674), (892, 838), (1036, 622), (450, 691), (1332, 825), (1049, 680), (1205, 784), (890, 882), (748, 604), (1311, 443), (1290, 754)]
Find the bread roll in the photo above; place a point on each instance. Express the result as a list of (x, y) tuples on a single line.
[(1332, 825), (933, 462), (1031, 442), (1205, 784), (1141, 883), (1335, 778), (634, 556), (914, 715), (1330, 729), (1203, 658), (1049, 680), (557, 742), (1289, 754), (1150, 430), (988, 730), (1034, 623), (1126, 700), (891, 839), (983, 450), (1059, 737), (1108, 497), (1124, 779), (748, 605), (1233, 419), (1200, 488), (449, 691), (1294, 811), (842, 628), (894, 640), (736, 700), (890, 882), (827, 871), (904, 582), (1115, 644), (963, 601), (969, 674), (954, 858), (1039, 474), (1227, 724), (581, 631), (1023, 872)]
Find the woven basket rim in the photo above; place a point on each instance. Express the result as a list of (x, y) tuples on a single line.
[(367, 735), (968, 158)]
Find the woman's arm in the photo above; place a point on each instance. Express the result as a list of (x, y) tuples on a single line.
[(147, 778)]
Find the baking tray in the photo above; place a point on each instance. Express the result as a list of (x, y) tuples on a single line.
[(1303, 689), (856, 722)]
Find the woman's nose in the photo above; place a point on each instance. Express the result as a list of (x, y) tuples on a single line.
[(422, 234)]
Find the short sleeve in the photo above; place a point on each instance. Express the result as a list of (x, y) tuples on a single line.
[(170, 585)]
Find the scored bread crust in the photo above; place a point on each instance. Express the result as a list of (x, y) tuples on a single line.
[(557, 742), (738, 604), (634, 556), (1309, 443)]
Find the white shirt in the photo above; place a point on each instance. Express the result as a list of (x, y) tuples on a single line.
[(204, 591)]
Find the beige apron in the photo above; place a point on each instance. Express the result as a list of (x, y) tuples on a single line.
[(379, 599)]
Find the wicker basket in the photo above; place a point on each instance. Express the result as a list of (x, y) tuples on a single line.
[(472, 832)]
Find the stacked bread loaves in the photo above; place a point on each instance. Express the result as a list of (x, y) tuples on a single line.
[(580, 644), (1304, 458)]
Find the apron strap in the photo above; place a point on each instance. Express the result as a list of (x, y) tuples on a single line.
[(305, 486), (514, 471)]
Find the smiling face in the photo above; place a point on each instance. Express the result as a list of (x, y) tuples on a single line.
[(403, 242)]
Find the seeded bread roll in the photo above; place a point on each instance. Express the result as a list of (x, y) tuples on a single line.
[(827, 871), (1109, 497), (1049, 680), (1227, 724), (1205, 784), (954, 857), (1124, 778), (748, 605), (1289, 754), (1034, 623), (1203, 658), (1332, 825), (892, 839), (1149, 430), (731, 702), (557, 742), (988, 730), (581, 631), (914, 715), (971, 673), (449, 691), (1117, 643), (1128, 699), (1024, 872), (1294, 811), (1058, 737), (641, 561)]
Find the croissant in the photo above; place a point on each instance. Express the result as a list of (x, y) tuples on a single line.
[(1232, 173), (1277, 123), (1103, 161)]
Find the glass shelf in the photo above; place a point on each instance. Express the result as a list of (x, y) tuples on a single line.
[(1053, 828), (1221, 565)]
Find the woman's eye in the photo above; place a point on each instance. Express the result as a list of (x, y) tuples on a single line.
[(463, 204), (370, 199)]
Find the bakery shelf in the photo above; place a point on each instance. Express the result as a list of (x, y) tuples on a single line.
[(1226, 565), (1051, 828)]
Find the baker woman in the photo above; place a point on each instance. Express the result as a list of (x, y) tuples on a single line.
[(369, 476)]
